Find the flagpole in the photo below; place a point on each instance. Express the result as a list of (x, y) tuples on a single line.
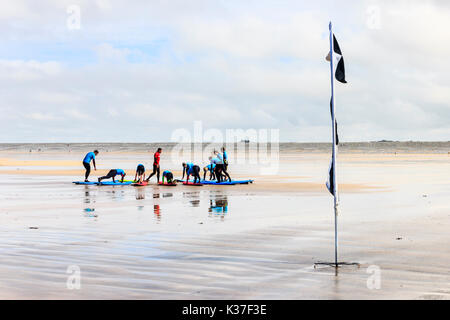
[(332, 184), (333, 119)]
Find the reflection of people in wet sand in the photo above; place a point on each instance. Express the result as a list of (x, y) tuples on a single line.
[(219, 206), (140, 194), (157, 211)]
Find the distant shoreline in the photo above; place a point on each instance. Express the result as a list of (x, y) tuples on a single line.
[(209, 142), (382, 147)]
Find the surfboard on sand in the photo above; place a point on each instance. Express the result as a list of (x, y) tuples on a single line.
[(224, 183), (140, 184), (192, 184), (165, 184), (105, 183)]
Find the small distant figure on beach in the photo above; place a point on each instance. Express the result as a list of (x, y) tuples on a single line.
[(90, 156), (140, 173), (168, 176), (112, 174), (156, 168), (191, 170)]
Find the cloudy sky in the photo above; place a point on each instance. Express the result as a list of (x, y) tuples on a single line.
[(137, 70)]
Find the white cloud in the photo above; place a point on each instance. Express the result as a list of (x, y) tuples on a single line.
[(42, 116), (160, 65)]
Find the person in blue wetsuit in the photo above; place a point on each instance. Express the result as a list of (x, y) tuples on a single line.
[(225, 159), (112, 174), (191, 169), (140, 173), (167, 175), (220, 169), (210, 167), (90, 156)]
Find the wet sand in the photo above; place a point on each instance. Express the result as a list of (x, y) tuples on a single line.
[(257, 241)]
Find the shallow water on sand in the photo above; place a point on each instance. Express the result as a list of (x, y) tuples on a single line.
[(217, 242)]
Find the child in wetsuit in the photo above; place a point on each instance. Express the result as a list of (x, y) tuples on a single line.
[(140, 173), (168, 175), (191, 169), (210, 167)]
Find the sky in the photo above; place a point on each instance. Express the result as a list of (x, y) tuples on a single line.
[(138, 70)]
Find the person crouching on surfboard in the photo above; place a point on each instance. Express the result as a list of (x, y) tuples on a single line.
[(140, 173), (210, 167), (168, 175), (112, 174), (191, 169), (90, 156)]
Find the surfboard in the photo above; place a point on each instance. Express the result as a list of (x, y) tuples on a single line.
[(165, 184), (224, 183), (192, 184), (140, 184), (106, 183)]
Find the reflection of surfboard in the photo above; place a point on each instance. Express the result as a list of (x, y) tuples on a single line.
[(192, 184), (165, 184), (86, 183), (105, 183), (140, 184)]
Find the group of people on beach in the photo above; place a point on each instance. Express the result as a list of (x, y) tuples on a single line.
[(217, 168)]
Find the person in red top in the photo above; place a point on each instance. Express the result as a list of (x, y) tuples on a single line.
[(156, 169)]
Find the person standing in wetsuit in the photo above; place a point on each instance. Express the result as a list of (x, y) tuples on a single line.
[(191, 169), (225, 159), (90, 156), (220, 169), (156, 169)]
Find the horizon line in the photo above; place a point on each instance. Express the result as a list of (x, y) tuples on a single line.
[(210, 142)]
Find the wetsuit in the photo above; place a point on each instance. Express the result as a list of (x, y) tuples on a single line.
[(168, 175), (112, 174), (140, 170), (225, 160), (156, 158), (87, 163), (210, 168), (193, 170), (221, 168)]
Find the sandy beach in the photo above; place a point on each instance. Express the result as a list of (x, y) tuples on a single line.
[(256, 241)]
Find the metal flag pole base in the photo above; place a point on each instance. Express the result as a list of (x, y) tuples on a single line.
[(336, 264)]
